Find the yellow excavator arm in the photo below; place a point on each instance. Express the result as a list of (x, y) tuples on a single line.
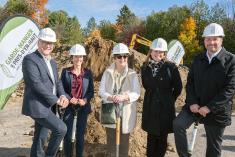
[(136, 38)]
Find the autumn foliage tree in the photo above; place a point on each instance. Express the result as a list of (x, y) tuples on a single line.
[(39, 11), (33, 8), (136, 26), (188, 38)]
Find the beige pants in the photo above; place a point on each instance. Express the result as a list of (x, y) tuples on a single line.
[(111, 143)]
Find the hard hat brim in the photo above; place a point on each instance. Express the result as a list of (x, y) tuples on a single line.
[(77, 54), (204, 36), (45, 39)]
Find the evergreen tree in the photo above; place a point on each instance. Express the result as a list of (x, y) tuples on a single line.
[(217, 14), (201, 14), (107, 30), (125, 16), (91, 26), (68, 29)]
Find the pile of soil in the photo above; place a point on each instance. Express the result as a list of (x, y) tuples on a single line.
[(98, 59), (99, 54)]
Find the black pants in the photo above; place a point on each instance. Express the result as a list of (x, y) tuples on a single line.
[(156, 146), (213, 135)]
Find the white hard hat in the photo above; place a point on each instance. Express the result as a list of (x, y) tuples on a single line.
[(213, 30), (159, 44), (77, 50), (120, 48), (47, 34)]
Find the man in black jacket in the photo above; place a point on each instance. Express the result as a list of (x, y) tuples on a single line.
[(209, 92)]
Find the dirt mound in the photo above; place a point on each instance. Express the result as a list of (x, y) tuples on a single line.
[(99, 56), (98, 59)]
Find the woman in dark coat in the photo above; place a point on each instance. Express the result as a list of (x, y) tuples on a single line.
[(162, 83), (78, 86)]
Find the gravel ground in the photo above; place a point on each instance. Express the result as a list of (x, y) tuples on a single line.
[(228, 145), (14, 130), (16, 140)]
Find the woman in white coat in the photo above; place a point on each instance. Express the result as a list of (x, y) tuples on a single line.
[(119, 76)]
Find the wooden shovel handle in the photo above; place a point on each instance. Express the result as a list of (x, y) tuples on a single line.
[(118, 131)]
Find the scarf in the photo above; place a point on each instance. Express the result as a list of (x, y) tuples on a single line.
[(155, 66)]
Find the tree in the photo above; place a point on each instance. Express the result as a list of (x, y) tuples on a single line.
[(125, 16), (135, 26), (91, 26), (127, 24), (229, 25), (229, 8), (73, 33), (1, 10), (1, 13), (217, 14), (32, 8), (39, 11), (229, 42), (15, 7), (233, 10), (58, 18), (166, 24), (68, 29), (58, 21), (107, 30), (201, 14), (187, 36)]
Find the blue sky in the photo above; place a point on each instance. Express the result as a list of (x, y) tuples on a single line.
[(109, 9)]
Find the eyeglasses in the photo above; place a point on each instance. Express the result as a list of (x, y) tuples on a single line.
[(121, 56)]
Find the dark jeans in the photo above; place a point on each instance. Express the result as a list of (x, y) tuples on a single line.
[(42, 127), (213, 135), (156, 146), (80, 131)]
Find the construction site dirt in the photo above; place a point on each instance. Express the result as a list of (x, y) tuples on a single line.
[(16, 130)]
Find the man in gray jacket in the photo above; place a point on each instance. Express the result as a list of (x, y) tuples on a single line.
[(209, 92), (43, 89)]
